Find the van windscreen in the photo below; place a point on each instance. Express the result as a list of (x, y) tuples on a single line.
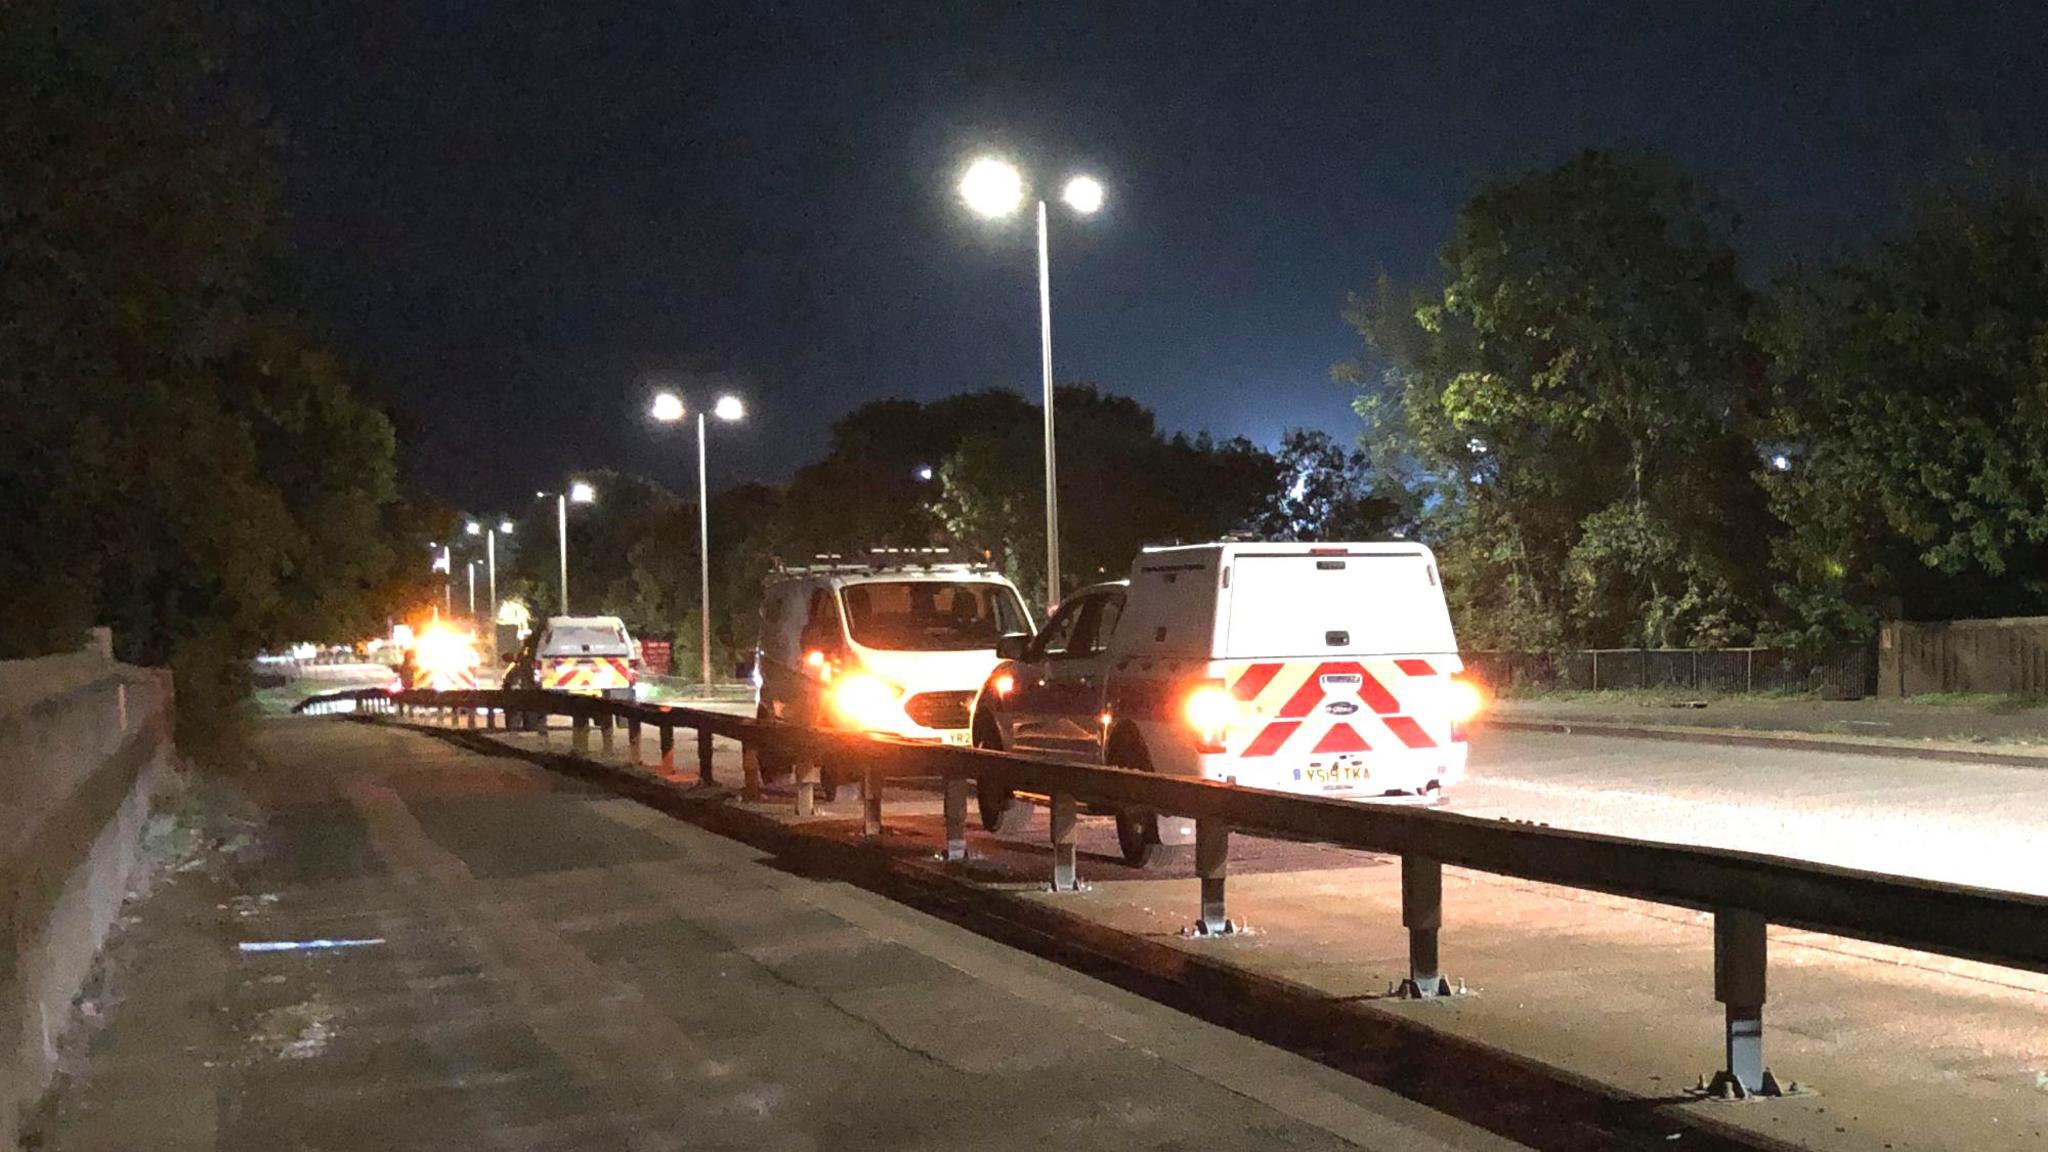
[(1356, 604), (931, 615)]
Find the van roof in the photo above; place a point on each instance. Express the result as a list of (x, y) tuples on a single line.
[(585, 622), (1201, 553), (846, 576)]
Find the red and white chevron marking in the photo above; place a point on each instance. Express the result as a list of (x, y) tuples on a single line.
[(1394, 704)]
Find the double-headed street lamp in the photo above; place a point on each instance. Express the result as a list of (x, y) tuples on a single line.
[(668, 408), (490, 561), (994, 188)]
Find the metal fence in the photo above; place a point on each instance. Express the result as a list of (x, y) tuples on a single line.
[(1743, 891), (1850, 674)]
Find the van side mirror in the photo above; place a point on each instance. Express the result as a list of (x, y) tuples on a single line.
[(1013, 645)]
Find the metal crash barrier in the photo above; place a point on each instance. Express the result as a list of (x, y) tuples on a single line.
[(1745, 892)]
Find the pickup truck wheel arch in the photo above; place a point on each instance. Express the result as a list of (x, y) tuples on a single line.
[(1001, 810), (1137, 831)]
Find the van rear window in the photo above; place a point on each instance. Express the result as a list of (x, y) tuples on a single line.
[(1361, 605), (594, 639)]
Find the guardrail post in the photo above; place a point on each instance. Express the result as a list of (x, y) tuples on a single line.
[(956, 818), (870, 800), (579, 733), (750, 773), (704, 775), (633, 740), (1212, 862), (1065, 824), (668, 750), (605, 724), (491, 718), (1741, 952), (1422, 913), (806, 786)]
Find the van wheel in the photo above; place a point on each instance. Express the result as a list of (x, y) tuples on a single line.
[(1137, 834), (774, 765), (1137, 830), (1001, 811)]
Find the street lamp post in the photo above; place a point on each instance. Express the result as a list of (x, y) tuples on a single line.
[(668, 408), (995, 188), (578, 493), (491, 565), (472, 591)]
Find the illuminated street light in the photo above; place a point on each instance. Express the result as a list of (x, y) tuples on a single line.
[(1781, 463), (473, 528), (668, 408), (1084, 195), (580, 492), (504, 527), (994, 188), (924, 472)]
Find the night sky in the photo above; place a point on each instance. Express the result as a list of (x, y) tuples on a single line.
[(517, 218)]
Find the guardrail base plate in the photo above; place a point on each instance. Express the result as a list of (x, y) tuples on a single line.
[(1724, 1086), (1438, 989)]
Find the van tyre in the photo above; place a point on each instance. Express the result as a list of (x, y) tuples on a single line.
[(1137, 830), (1137, 836), (775, 767), (1001, 811)]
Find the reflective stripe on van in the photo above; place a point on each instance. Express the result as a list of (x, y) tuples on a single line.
[(1343, 706), (585, 673)]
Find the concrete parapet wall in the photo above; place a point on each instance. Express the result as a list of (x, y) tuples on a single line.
[(83, 744), (2006, 656)]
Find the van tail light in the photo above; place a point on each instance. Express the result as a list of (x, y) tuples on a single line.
[(1467, 701), (1211, 710)]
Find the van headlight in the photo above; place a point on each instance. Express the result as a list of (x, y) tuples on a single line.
[(868, 702)]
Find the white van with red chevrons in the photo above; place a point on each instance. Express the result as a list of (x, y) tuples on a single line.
[(1321, 669)]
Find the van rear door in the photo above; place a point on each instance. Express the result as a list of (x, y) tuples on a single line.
[(1335, 602)]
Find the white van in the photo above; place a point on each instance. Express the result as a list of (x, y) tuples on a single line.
[(1323, 669), (589, 655), (892, 647)]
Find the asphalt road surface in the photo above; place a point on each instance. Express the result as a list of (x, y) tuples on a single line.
[(1985, 825)]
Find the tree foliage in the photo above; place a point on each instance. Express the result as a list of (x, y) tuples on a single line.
[(177, 458), (1326, 491), (1911, 389), (1571, 409)]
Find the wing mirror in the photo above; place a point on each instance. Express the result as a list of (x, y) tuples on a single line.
[(1012, 645)]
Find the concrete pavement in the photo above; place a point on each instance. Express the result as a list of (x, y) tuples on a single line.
[(414, 946)]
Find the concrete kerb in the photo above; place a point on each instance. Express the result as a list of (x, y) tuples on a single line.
[(1785, 741), (1515, 1096)]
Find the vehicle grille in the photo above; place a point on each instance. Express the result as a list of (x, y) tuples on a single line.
[(939, 709)]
